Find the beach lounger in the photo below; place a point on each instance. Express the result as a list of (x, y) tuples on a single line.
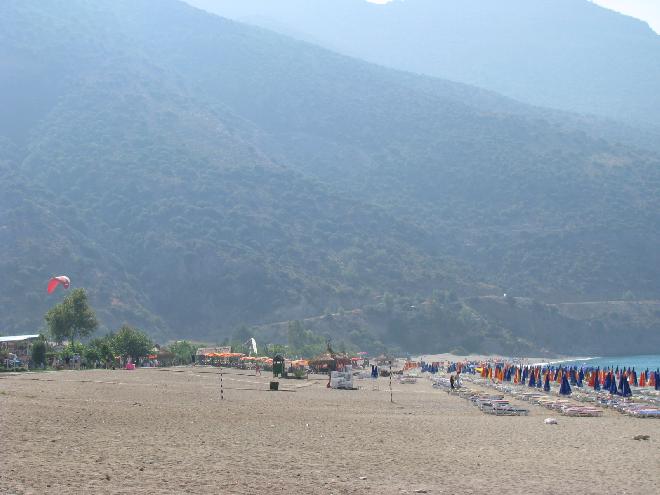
[(582, 412), (505, 410), (646, 413)]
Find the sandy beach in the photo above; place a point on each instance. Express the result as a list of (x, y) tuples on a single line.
[(167, 431)]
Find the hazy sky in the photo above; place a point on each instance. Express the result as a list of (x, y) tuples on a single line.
[(646, 10)]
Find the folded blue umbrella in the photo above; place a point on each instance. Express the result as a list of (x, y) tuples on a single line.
[(625, 387), (565, 388), (612, 388)]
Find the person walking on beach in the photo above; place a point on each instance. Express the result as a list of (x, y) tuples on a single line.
[(451, 382)]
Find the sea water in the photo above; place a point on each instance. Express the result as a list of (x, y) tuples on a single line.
[(650, 362)]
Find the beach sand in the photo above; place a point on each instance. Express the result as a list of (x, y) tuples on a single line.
[(161, 431)]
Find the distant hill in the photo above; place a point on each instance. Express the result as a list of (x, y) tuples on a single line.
[(566, 54), (197, 174), (488, 324)]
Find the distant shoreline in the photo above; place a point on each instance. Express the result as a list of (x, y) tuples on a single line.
[(431, 358), (631, 360)]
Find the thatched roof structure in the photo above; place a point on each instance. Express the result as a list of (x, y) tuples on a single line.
[(321, 359), (329, 360)]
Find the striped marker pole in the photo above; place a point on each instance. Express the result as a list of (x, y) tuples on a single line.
[(391, 398), (222, 391)]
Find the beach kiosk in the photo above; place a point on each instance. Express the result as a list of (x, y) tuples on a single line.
[(329, 361), (278, 366), (18, 345)]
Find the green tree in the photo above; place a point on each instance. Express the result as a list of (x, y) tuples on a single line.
[(183, 351), (39, 352), (72, 318), (388, 299), (296, 334), (273, 349), (131, 342), (101, 349), (303, 343), (628, 296), (74, 348)]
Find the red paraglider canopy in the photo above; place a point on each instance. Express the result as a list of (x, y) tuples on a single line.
[(55, 281)]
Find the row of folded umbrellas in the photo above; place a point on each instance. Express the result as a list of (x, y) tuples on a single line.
[(242, 357), (616, 381)]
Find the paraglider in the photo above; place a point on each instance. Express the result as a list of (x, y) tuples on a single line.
[(62, 280)]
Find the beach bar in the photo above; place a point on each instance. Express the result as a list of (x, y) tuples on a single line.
[(20, 345)]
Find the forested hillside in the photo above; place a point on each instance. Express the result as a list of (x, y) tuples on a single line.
[(487, 324), (197, 174)]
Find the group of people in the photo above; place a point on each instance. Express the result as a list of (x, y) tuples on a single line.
[(455, 380)]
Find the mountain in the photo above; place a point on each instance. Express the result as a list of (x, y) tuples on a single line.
[(196, 174), (566, 54)]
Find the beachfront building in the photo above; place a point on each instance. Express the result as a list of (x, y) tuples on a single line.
[(16, 349)]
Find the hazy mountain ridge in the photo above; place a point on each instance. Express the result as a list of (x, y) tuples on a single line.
[(568, 54), (196, 174)]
